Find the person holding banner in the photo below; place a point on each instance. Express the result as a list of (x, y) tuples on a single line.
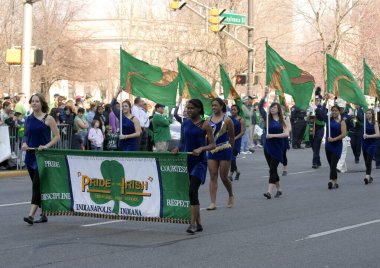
[(219, 159), (369, 143), (193, 140), (336, 132), (130, 129), (275, 132), (38, 130), (239, 128)]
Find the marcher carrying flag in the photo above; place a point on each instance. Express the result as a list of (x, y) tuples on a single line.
[(287, 78), (139, 78), (229, 90)]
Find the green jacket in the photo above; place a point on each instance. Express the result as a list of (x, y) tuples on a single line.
[(161, 130)]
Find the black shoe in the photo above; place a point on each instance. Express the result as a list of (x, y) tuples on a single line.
[(365, 181), (370, 180), (192, 229), (356, 161), (237, 175), (338, 170), (278, 194), (330, 185), (314, 166), (42, 219), (199, 228), (29, 220), (319, 164), (336, 186), (251, 150), (267, 195)]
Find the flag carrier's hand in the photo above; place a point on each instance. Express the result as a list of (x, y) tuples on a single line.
[(175, 151), (266, 91)]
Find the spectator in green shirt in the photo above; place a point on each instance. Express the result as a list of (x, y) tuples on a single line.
[(20, 104), (248, 113), (161, 130)]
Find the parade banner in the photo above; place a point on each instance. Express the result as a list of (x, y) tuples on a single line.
[(5, 146), (115, 185)]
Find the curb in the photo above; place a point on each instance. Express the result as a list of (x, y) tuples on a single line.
[(13, 173)]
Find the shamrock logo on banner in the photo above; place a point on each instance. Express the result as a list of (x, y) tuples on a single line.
[(114, 171)]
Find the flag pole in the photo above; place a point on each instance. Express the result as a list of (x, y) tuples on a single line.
[(267, 110), (328, 116), (365, 123), (121, 113)]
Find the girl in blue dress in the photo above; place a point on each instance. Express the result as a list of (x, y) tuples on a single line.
[(131, 129), (193, 139), (334, 144), (39, 127), (369, 144), (219, 159), (274, 144), (239, 128)]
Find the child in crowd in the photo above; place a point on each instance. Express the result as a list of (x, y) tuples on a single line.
[(111, 140), (95, 136), (76, 141)]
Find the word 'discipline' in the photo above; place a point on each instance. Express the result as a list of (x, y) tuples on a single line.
[(115, 185)]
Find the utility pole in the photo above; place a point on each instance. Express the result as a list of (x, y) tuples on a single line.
[(26, 46), (251, 63)]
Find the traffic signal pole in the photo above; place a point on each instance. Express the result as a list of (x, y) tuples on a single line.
[(251, 59), (26, 46)]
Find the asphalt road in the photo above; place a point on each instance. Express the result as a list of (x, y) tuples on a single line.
[(309, 226)]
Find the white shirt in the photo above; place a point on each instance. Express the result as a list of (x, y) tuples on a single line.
[(141, 115), (96, 137)]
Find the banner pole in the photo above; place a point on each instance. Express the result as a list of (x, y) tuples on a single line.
[(364, 123), (328, 117), (267, 112)]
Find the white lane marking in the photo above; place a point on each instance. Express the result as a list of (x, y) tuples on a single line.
[(100, 223), (338, 230), (14, 204), (294, 173)]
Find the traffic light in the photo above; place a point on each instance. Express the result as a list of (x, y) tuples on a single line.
[(241, 79), (14, 56), (215, 20), (175, 5)]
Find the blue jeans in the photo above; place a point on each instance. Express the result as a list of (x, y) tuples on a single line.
[(94, 148), (245, 141)]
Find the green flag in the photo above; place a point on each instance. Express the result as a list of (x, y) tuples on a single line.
[(371, 82), (193, 85), (229, 90), (287, 78), (342, 83), (139, 78)]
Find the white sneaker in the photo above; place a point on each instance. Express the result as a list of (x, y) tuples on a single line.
[(259, 145)]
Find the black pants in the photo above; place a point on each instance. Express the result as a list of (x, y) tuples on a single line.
[(333, 160), (368, 162), (273, 164), (298, 130), (284, 158), (36, 191), (144, 140), (356, 145), (315, 142), (377, 155), (233, 162), (195, 183)]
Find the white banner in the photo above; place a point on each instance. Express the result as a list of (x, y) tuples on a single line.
[(120, 186), (5, 146)]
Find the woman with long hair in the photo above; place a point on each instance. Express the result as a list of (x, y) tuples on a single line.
[(369, 143), (239, 129), (334, 144), (129, 139), (274, 145), (193, 139), (39, 127), (219, 159)]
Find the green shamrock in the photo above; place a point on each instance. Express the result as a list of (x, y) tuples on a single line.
[(114, 171)]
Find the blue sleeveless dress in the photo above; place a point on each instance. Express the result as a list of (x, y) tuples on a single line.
[(369, 145), (275, 147), (221, 140), (36, 133), (193, 137), (237, 129), (336, 146), (128, 128)]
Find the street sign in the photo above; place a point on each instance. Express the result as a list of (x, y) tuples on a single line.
[(235, 19)]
